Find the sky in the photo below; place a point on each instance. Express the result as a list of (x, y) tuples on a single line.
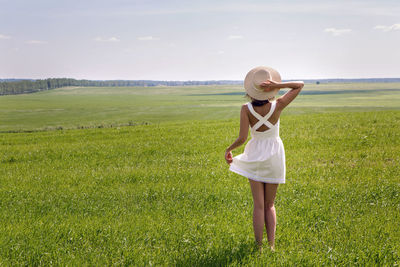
[(198, 40)]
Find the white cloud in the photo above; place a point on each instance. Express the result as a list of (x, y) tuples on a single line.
[(235, 37), (385, 28), (220, 52), (148, 38), (337, 32), (36, 42), (111, 39), (4, 37)]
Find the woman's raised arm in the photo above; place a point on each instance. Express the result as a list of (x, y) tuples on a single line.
[(284, 100)]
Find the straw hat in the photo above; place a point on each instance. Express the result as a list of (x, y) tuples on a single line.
[(257, 76)]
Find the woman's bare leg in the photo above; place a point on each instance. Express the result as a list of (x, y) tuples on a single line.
[(270, 214), (257, 190)]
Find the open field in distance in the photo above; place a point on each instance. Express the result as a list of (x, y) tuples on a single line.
[(161, 193), (94, 106)]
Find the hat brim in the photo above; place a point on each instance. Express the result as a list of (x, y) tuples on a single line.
[(256, 93)]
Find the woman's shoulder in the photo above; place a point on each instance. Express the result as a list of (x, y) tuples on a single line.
[(245, 105), (245, 109)]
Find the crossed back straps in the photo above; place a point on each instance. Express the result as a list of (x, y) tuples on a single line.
[(262, 120)]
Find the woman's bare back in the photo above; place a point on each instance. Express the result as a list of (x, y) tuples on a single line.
[(263, 110)]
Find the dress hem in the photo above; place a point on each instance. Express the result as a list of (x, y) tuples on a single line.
[(255, 177)]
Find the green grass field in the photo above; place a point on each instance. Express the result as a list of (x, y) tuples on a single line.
[(96, 106), (161, 193)]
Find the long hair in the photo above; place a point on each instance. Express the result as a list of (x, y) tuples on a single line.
[(256, 102)]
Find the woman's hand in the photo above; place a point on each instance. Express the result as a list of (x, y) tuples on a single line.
[(269, 85), (228, 157)]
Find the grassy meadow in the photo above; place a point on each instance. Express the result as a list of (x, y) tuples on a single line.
[(75, 107), (136, 176)]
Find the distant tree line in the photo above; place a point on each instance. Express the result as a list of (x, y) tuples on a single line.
[(23, 86), (13, 87)]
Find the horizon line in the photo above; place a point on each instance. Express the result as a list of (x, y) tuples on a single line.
[(34, 79)]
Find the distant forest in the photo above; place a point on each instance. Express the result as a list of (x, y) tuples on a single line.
[(23, 86), (14, 86)]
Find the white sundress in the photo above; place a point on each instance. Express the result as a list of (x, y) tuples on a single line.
[(263, 158)]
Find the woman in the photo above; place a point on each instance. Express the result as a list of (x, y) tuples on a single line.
[(263, 160)]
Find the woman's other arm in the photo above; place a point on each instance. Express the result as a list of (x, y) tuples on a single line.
[(243, 133)]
